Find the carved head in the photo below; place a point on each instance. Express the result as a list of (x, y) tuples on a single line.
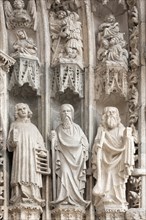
[(22, 110), (21, 34), (67, 113), (74, 16), (71, 52), (110, 117), (110, 18), (61, 14), (19, 4)]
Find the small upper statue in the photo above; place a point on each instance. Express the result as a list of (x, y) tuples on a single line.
[(24, 45), (66, 36), (24, 138), (111, 43), (19, 17), (70, 147), (113, 160)]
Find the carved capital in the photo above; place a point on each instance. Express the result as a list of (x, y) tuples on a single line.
[(136, 213), (6, 61), (68, 212), (25, 211), (111, 212)]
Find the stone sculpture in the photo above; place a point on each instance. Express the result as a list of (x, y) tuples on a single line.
[(24, 45), (112, 59), (71, 153), (26, 68), (67, 50), (19, 17), (66, 37), (24, 138), (112, 42), (113, 160)]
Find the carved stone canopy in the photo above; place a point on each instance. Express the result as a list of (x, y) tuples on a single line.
[(26, 70), (67, 75)]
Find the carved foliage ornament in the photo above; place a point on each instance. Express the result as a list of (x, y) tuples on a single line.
[(134, 62)]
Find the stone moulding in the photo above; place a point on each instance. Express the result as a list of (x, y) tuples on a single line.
[(5, 63), (68, 212)]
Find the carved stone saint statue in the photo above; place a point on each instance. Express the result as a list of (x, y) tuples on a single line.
[(24, 138), (71, 153), (113, 160)]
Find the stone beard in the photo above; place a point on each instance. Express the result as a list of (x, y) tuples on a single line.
[(112, 121), (67, 122)]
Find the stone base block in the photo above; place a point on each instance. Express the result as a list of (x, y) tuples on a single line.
[(114, 212), (68, 212), (25, 211)]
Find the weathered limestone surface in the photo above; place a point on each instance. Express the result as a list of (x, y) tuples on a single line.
[(80, 67)]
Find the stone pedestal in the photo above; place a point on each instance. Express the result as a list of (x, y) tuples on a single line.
[(113, 212), (68, 212), (25, 211)]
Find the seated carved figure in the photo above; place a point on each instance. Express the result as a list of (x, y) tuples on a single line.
[(112, 44), (113, 159), (23, 139), (24, 45), (71, 153)]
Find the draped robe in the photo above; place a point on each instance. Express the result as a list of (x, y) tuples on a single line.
[(71, 155), (113, 160), (25, 181)]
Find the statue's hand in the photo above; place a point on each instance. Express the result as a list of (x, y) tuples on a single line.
[(42, 154), (52, 135)]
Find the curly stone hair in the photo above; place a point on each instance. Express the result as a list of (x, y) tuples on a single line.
[(17, 106)]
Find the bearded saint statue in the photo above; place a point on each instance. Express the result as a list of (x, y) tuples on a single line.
[(113, 159), (71, 154)]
